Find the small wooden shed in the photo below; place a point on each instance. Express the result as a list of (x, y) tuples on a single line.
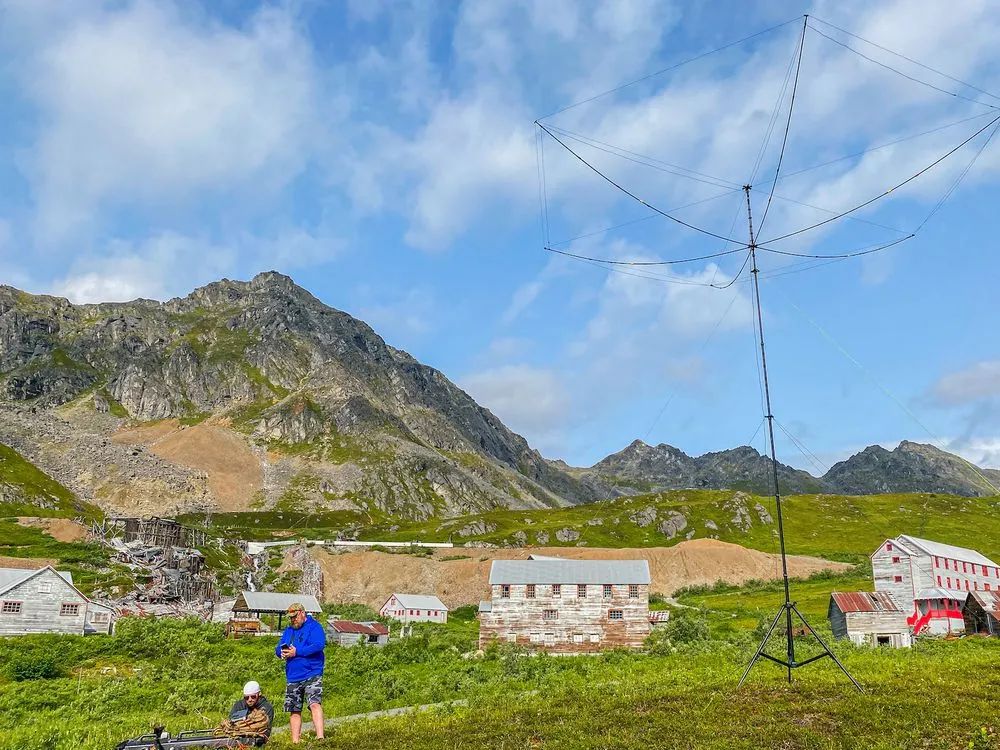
[(982, 613), (348, 633), (869, 618)]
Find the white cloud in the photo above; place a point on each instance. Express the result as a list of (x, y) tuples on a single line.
[(147, 105), (168, 264), (530, 400), (980, 381)]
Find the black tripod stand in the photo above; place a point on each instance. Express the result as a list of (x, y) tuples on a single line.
[(788, 607)]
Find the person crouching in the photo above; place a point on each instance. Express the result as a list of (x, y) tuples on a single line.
[(251, 717)]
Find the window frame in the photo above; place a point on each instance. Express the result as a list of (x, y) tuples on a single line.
[(581, 591), (18, 607), (549, 615), (557, 590), (529, 591), (505, 591), (608, 591), (69, 609), (616, 615), (633, 591)]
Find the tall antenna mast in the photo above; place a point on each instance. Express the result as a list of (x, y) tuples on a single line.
[(788, 607)]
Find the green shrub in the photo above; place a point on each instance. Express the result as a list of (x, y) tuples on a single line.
[(32, 666)]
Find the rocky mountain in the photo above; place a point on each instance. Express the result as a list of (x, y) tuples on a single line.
[(642, 467), (911, 467), (251, 395)]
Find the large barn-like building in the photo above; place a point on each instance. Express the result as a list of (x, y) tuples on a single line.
[(46, 601), (932, 580), (567, 606)]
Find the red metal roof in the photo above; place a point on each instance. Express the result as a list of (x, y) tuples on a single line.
[(865, 601), (362, 628)]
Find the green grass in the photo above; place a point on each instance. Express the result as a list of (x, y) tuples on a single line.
[(99, 690)]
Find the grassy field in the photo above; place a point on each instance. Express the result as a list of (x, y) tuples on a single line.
[(72, 693)]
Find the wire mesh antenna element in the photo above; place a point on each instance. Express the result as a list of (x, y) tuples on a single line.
[(788, 607)]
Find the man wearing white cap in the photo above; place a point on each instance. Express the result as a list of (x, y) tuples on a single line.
[(251, 717)]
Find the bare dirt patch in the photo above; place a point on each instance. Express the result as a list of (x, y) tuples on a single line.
[(60, 529), (369, 577), (234, 470), (26, 563)]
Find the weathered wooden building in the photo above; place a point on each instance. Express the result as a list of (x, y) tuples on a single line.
[(46, 601), (982, 613), (868, 619), (250, 605), (931, 580), (409, 608), (567, 606), (347, 633)]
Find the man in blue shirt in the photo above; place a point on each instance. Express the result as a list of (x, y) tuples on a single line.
[(301, 646)]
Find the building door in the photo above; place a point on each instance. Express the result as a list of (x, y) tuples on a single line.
[(883, 640)]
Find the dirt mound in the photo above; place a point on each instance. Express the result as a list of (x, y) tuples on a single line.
[(234, 470), (26, 563), (370, 577), (60, 529)]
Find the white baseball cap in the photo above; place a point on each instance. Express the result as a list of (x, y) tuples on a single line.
[(251, 688)]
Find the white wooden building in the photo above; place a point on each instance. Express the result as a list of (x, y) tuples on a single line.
[(567, 606), (409, 608), (46, 601), (931, 580), (868, 619)]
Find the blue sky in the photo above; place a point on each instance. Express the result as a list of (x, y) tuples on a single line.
[(384, 155)]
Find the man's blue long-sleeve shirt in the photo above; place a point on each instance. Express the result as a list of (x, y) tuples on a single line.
[(309, 642)]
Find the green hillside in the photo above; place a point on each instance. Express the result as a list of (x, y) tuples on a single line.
[(831, 526), (26, 490)]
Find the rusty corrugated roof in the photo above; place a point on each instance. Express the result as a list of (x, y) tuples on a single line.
[(865, 601), (362, 628)]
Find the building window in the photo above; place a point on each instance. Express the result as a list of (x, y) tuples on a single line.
[(505, 591), (946, 564), (11, 608), (556, 590), (529, 591), (966, 584), (550, 614), (45, 587), (939, 580), (69, 610), (511, 637), (616, 614), (581, 590), (888, 547), (986, 571), (937, 563), (607, 591), (895, 559), (986, 587), (99, 618), (965, 567), (949, 582), (897, 579), (633, 591)]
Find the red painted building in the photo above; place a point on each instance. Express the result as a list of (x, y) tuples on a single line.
[(931, 580)]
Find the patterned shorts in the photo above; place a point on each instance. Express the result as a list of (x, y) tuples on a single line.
[(305, 692)]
